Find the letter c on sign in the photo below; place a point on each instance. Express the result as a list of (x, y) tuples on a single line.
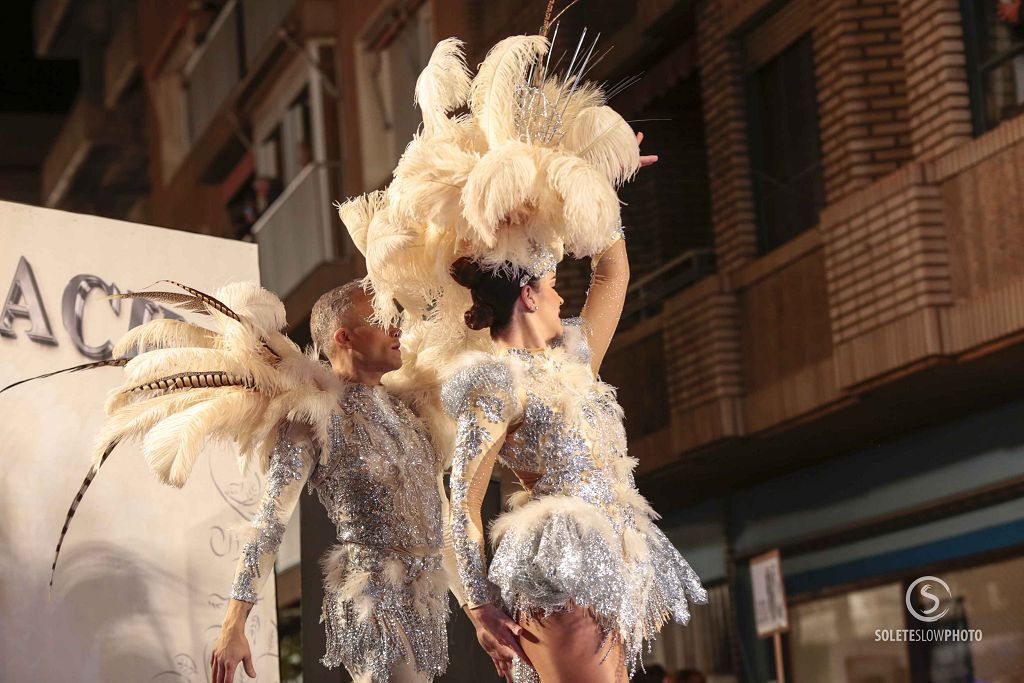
[(72, 306)]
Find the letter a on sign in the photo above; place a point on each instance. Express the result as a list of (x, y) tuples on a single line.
[(23, 301)]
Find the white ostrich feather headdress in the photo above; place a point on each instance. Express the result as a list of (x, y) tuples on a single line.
[(527, 175)]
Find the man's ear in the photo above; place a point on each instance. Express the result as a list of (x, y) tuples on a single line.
[(342, 340)]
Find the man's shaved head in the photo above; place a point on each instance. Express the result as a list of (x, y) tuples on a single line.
[(333, 310)]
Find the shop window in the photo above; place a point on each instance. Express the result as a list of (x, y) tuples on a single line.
[(837, 638), (785, 150), (994, 41), (393, 51), (833, 639)]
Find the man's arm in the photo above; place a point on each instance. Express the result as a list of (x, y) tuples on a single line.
[(291, 464)]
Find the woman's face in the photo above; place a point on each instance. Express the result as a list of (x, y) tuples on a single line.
[(549, 305)]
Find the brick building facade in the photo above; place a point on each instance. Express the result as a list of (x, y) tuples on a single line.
[(826, 261)]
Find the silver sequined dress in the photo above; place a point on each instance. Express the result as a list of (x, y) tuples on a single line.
[(584, 535), (385, 588)]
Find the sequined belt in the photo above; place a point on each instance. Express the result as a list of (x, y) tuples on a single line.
[(393, 549)]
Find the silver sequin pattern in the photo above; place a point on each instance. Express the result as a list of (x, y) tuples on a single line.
[(385, 592), (286, 464), (380, 488), (585, 536)]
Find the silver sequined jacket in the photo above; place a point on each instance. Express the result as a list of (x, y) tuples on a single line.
[(582, 534), (381, 485)]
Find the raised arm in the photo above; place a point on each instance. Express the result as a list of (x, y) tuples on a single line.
[(291, 463), (607, 294), (605, 298)]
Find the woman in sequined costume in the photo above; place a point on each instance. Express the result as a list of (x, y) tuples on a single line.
[(577, 562), (385, 605)]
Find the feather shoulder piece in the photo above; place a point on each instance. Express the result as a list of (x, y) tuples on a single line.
[(234, 380)]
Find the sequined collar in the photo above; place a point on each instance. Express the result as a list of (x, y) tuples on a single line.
[(525, 354)]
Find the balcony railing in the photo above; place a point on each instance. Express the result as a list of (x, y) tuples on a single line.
[(213, 70), (233, 48), (260, 20), (296, 234), (646, 294)]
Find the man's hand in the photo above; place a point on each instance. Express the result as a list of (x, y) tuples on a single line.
[(498, 636), (232, 649), (645, 160)]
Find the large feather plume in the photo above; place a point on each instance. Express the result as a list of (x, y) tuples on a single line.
[(443, 86), (492, 97), (357, 213), (501, 189), (590, 205), (603, 139)]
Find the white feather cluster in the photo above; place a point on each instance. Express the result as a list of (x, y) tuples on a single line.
[(475, 185), (273, 380)]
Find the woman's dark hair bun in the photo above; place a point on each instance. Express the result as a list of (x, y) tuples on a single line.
[(480, 316), (467, 272), (494, 294)]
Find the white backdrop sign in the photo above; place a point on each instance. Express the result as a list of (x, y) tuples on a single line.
[(145, 571)]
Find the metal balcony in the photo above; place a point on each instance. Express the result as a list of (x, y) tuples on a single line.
[(120, 62), (239, 46), (646, 294), (260, 21), (83, 130), (213, 71), (296, 234)]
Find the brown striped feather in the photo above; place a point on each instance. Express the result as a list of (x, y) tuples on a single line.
[(74, 506), (194, 380), (185, 302), (109, 363), (213, 303)]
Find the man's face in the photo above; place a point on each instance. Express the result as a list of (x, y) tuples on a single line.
[(372, 347)]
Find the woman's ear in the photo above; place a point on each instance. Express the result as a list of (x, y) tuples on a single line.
[(528, 297)]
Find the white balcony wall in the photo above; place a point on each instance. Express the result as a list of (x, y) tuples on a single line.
[(260, 19), (295, 235), (213, 71)]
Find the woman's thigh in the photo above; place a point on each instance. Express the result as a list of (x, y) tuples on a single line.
[(566, 647)]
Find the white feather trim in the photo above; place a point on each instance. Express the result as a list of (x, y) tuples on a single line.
[(443, 85), (604, 140), (256, 305), (357, 213), (394, 572), (532, 516), (163, 333), (172, 445)]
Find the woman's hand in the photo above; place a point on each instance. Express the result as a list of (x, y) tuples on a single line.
[(498, 636), (649, 158), (232, 649)]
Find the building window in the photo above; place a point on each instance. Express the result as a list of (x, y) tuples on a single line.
[(785, 151), (838, 638), (392, 52), (994, 41)]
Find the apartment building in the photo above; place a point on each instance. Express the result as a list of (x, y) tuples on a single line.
[(821, 346)]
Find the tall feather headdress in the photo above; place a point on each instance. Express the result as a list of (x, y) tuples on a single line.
[(527, 175)]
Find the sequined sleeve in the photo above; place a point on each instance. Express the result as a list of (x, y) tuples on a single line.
[(482, 400), (605, 299), (290, 465)]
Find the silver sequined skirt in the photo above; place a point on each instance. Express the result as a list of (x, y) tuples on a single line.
[(376, 602), (559, 552)]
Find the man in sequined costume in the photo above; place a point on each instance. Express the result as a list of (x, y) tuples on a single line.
[(385, 606)]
